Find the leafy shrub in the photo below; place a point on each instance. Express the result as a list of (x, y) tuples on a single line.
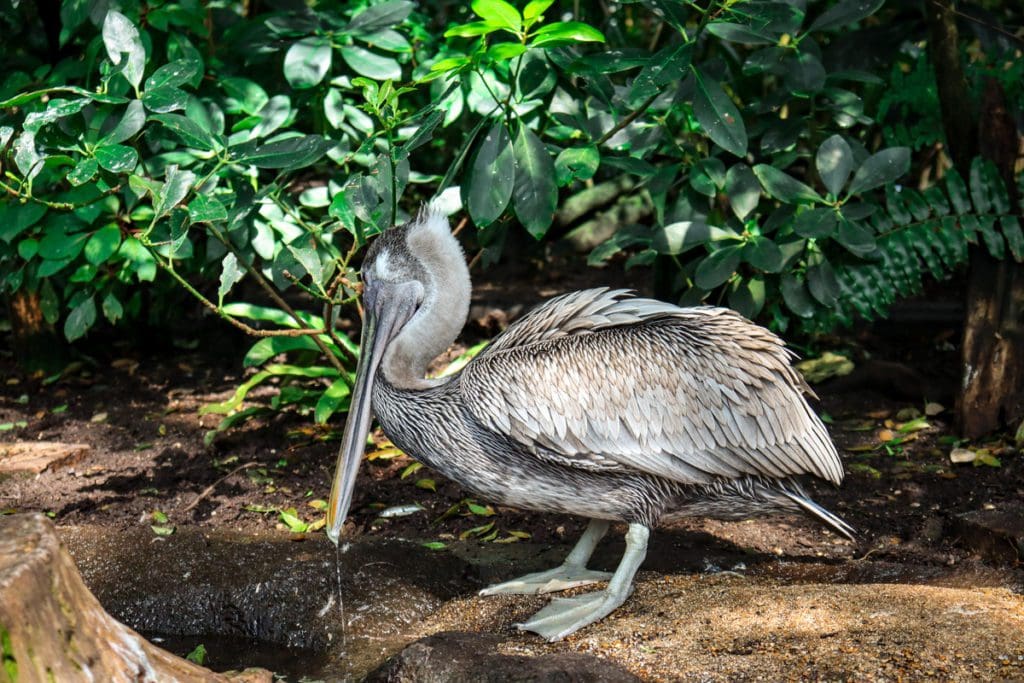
[(188, 146)]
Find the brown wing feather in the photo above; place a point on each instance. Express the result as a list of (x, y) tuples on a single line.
[(687, 394)]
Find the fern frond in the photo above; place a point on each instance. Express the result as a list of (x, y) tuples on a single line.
[(922, 235)]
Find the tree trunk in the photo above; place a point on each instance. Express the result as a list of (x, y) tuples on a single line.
[(992, 354), (36, 344), (53, 629), (992, 349)]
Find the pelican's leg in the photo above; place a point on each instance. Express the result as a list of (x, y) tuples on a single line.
[(571, 573), (567, 615)]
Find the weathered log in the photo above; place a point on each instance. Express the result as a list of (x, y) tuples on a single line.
[(53, 629)]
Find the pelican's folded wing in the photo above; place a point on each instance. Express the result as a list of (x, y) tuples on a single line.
[(600, 380)]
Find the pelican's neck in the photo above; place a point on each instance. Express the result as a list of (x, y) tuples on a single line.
[(442, 314)]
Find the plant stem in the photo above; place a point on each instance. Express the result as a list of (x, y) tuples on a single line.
[(278, 300)]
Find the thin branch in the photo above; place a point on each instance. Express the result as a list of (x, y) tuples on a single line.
[(632, 116), (300, 332), (60, 206), (278, 300), (209, 489)]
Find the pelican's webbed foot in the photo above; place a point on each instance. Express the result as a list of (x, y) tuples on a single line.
[(562, 577), (570, 574), (567, 615)]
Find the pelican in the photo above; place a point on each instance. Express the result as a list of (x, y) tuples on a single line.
[(597, 403)]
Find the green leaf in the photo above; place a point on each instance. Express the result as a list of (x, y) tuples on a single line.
[(845, 12), (536, 8), (271, 315), (207, 209), (310, 262), (165, 100), (718, 115), (682, 236), (761, 252), (341, 210), (131, 123), (16, 217), (883, 167), (26, 156), (103, 244), (268, 347), (57, 245), (56, 109), (804, 74), (834, 161), (188, 131), (782, 186), (743, 190), (424, 131), (576, 163), (738, 33), (173, 74), (1014, 237), (718, 266), (81, 318), (503, 52), (535, 195), (566, 33), (249, 97), (307, 62), (112, 309), (335, 397), (470, 30), (272, 116), (371, 64), (857, 239), (381, 16), (746, 296), (27, 248), (83, 172), (666, 66), (822, 282), (117, 158), (491, 177), (124, 47), (817, 223), (796, 296), (231, 273), (291, 154), (177, 185), (498, 12), (291, 519), (197, 655)]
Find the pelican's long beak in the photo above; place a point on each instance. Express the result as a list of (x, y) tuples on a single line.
[(380, 325)]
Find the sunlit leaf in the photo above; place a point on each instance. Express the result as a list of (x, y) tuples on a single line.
[(718, 266), (834, 161), (535, 195), (880, 168), (124, 47), (718, 115), (307, 62), (491, 177)]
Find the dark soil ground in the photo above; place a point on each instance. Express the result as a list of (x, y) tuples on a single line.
[(137, 407)]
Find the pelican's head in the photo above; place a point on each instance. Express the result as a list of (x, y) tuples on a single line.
[(415, 300)]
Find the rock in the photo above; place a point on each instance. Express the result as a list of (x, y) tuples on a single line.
[(271, 591), (998, 535), (53, 629), (459, 656), (36, 456)]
